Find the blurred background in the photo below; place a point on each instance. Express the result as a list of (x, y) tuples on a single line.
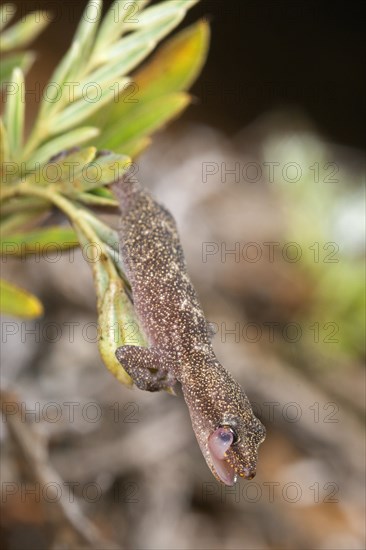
[(264, 174)]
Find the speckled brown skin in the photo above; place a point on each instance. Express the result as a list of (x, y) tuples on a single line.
[(178, 333)]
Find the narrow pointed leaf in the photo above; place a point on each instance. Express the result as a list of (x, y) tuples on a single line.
[(118, 327), (177, 63), (17, 302), (106, 233), (78, 111), (102, 192), (24, 31), (135, 147), (116, 21), (108, 73), (103, 170), (63, 172), (154, 14), (23, 60), (100, 273), (4, 147), (20, 221), (51, 101), (117, 321), (56, 237), (14, 113), (107, 168), (65, 141), (86, 31), (147, 38), (143, 120), (174, 67), (23, 204), (94, 200)]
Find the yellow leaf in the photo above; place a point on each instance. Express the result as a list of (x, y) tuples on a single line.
[(17, 302), (177, 63)]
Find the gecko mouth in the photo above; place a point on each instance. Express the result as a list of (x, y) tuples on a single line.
[(218, 444), (223, 458)]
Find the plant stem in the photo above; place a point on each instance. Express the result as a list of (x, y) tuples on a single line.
[(68, 208)]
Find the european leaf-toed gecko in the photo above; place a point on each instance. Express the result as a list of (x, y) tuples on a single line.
[(180, 349)]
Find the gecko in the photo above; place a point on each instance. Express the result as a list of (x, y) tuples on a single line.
[(180, 338)]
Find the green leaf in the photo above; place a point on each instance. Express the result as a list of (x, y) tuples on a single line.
[(58, 237), (143, 120), (173, 68), (14, 112), (80, 171), (78, 111), (161, 11), (17, 302), (24, 31), (23, 60), (64, 170), (21, 204), (52, 101), (94, 200), (102, 192), (4, 148), (177, 63), (117, 320), (116, 22), (104, 232), (86, 31), (60, 143), (96, 174), (19, 221), (118, 327), (98, 68), (147, 38), (110, 72), (106, 169), (135, 147)]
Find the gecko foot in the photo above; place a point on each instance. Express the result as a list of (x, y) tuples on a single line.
[(147, 368)]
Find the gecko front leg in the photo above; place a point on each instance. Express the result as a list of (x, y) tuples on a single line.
[(148, 368)]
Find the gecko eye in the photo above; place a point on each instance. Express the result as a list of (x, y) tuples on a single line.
[(229, 429)]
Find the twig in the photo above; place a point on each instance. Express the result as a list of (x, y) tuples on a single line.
[(69, 523)]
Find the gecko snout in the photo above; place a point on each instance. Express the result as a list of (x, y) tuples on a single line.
[(248, 473)]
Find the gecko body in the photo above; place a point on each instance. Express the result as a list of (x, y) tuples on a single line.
[(179, 337)]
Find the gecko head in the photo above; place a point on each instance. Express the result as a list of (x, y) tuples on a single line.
[(225, 426), (232, 447)]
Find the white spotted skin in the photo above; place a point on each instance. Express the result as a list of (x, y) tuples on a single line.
[(178, 333)]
